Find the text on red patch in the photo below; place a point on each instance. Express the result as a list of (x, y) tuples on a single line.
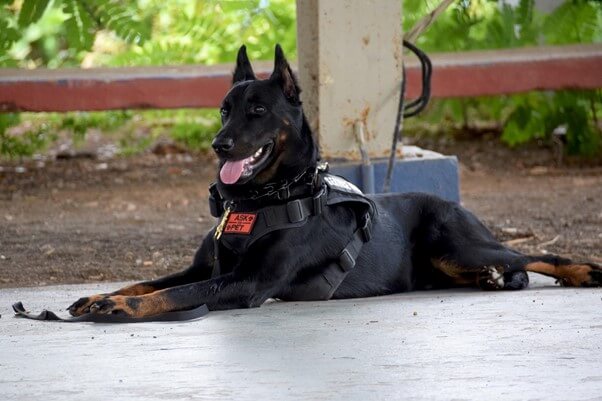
[(240, 223)]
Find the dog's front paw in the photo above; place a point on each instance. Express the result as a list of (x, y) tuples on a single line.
[(120, 305), (82, 305)]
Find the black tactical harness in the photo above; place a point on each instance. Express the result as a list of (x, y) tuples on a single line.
[(333, 191)]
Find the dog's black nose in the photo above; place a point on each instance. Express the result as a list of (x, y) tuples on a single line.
[(221, 145)]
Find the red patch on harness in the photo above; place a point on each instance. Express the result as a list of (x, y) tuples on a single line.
[(240, 223)]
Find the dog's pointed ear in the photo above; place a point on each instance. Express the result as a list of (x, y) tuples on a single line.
[(283, 75), (243, 70)]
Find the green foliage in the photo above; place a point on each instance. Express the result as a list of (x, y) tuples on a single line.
[(60, 33), (193, 135), (79, 26), (55, 33), (7, 120), (123, 19), (8, 34), (26, 143), (462, 27), (71, 33), (482, 24), (210, 32), (32, 11), (528, 120), (79, 123), (574, 22)]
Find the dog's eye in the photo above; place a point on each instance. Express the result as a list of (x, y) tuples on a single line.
[(223, 112), (258, 109)]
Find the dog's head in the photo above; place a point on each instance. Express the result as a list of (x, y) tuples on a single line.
[(264, 136)]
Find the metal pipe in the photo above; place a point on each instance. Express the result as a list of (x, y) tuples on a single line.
[(366, 168)]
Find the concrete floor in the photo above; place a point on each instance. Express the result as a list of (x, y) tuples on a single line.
[(538, 344)]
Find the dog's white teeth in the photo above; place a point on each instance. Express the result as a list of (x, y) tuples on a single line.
[(258, 153)]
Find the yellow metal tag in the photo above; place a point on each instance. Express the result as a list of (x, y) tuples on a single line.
[(220, 227)]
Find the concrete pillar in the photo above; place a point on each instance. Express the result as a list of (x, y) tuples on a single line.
[(350, 70)]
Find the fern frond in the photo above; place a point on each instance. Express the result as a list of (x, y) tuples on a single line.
[(80, 26), (123, 20), (32, 11)]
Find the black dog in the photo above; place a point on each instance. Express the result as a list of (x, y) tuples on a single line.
[(291, 231)]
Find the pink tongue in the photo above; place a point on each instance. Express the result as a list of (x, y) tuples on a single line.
[(231, 171)]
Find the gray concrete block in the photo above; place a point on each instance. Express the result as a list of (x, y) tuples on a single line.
[(419, 171)]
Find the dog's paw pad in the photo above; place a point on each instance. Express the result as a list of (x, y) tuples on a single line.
[(82, 305), (104, 306)]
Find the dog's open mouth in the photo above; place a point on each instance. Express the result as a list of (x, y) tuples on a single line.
[(236, 170)]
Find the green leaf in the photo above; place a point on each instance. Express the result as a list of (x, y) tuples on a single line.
[(239, 5), (524, 12), (526, 122), (8, 120), (8, 36), (31, 11), (80, 26), (123, 20), (572, 109)]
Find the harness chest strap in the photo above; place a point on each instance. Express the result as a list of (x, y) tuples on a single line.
[(323, 287)]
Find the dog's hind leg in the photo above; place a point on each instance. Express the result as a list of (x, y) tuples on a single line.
[(457, 244), (507, 269), (488, 269), (566, 272)]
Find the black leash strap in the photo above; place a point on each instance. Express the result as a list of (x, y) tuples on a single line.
[(176, 316), (411, 109)]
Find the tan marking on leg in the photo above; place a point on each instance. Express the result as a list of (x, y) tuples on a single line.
[(96, 297), (153, 304), (134, 306), (454, 271), (135, 289), (571, 275)]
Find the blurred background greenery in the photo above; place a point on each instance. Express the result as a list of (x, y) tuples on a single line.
[(106, 33)]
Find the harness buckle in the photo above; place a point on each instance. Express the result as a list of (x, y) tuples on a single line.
[(367, 227), (294, 211), (346, 261)]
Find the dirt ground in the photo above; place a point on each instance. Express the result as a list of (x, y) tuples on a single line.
[(76, 221)]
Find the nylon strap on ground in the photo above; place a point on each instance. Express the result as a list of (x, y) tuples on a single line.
[(176, 316)]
